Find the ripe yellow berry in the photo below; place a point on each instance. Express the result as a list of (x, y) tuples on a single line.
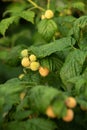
[(21, 76), (69, 115), (24, 53), (43, 71), (50, 113), (34, 66), (25, 62), (49, 14), (22, 95), (71, 102), (43, 16), (32, 58)]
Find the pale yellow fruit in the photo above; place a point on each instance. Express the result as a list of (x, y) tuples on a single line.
[(32, 57), (50, 113), (24, 53), (69, 115), (71, 102), (22, 95), (25, 62), (34, 66), (21, 76), (43, 71), (43, 16), (49, 14)]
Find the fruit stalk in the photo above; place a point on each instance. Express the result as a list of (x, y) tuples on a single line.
[(48, 4), (35, 5)]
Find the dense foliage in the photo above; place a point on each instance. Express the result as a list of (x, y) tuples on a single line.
[(43, 69)]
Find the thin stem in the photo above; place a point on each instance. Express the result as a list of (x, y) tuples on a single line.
[(35, 5), (48, 4), (32, 8), (54, 38)]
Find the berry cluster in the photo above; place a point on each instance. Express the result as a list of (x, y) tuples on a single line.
[(29, 61), (70, 103)]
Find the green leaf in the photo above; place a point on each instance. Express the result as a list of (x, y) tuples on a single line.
[(5, 41), (58, 45), (15, 8), (53, 79), (79, 5), (85, 73), (40, 97), (32, 77), (20, 115), (79, 82), (73, 65), (10, 94), (32, 124), (52, 63), (3, 54), (59, 107), (10, 87), (83, 39), (13, 56), (82, 101), (5, 23), (65, 23), (27, 15), (47, 28), (79, 24)]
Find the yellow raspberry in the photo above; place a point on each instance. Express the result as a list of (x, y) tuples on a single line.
[(49, 14), (43, 71), (69, 115), (34, 66), (24, 53), (71, 102), (50, 113), (32, 58), (25, 62), (43, 16)]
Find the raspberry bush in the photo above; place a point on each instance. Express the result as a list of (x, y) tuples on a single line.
[(44, 43)]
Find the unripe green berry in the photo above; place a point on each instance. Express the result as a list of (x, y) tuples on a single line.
[(32, 58), (24, 53), (34, 66)]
